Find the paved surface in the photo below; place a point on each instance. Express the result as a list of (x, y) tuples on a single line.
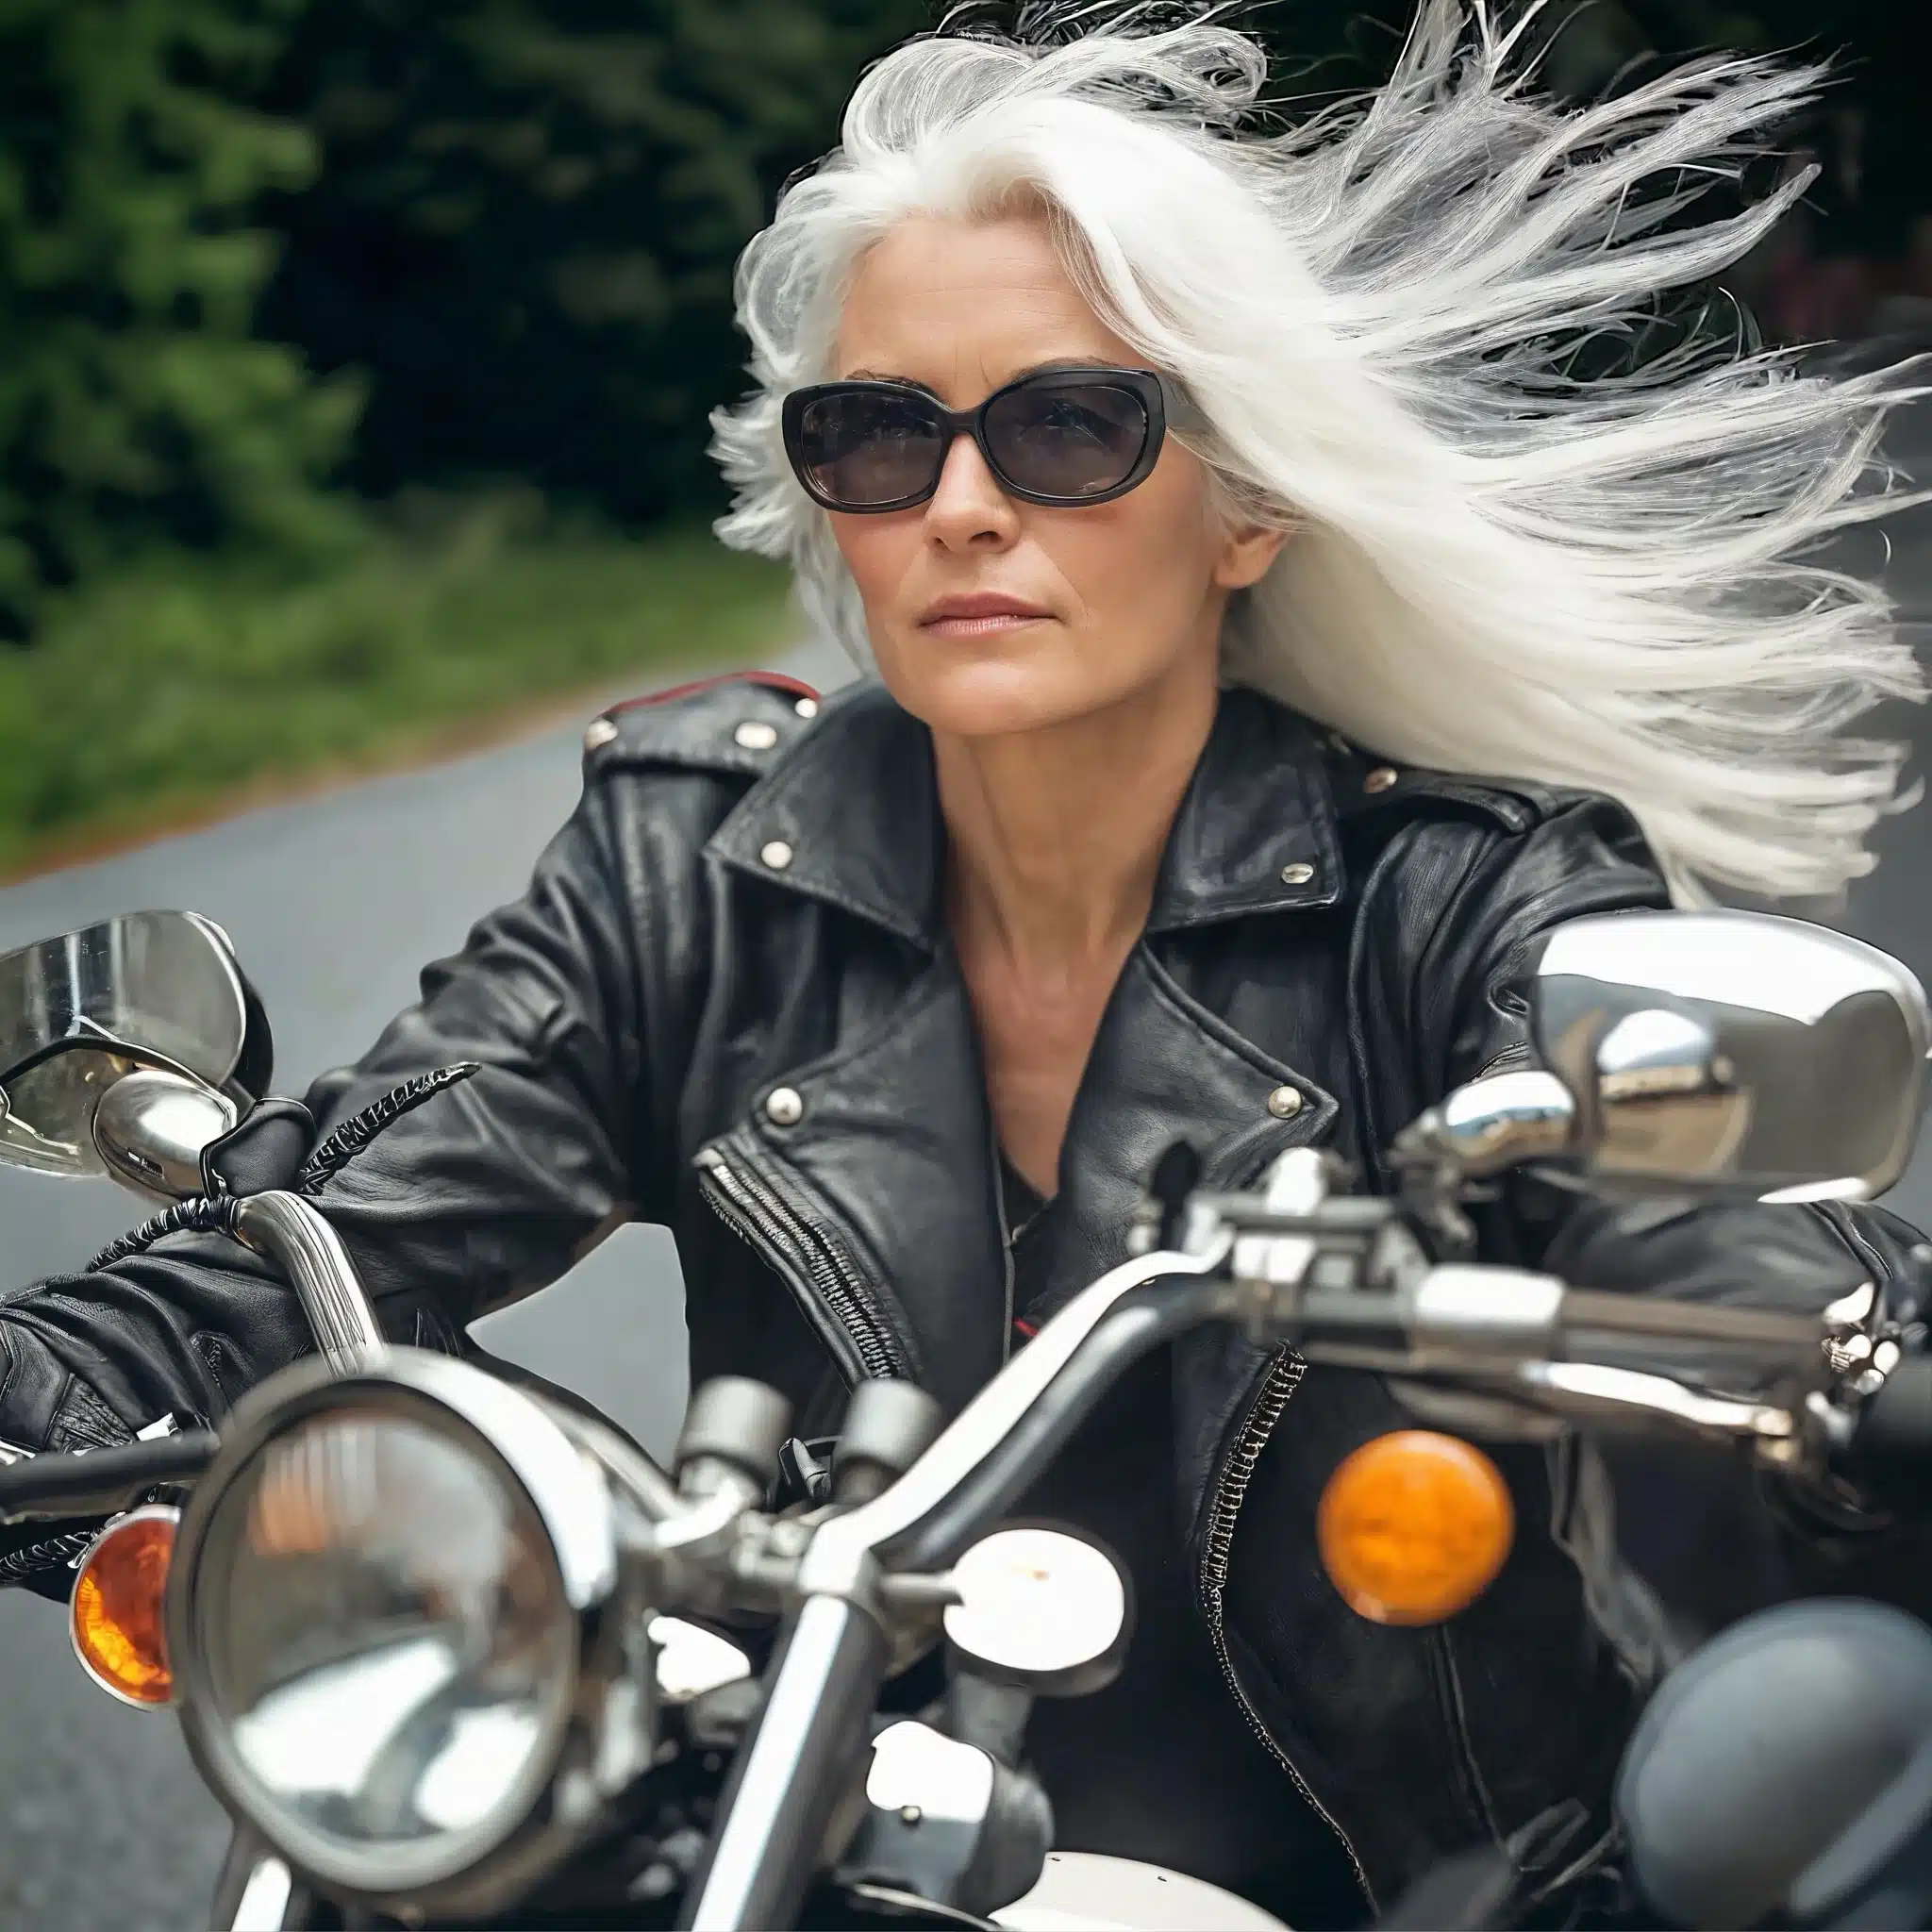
[(334, 905)]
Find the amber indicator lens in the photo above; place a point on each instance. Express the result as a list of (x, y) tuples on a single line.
[(1413, 1527), (116, 1611)]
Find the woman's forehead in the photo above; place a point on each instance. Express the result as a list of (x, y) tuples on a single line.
[(961, 307)]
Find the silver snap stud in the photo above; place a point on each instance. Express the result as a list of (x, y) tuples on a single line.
[(1299, 874), (1380, 778), (807, 707), (785, 1107), (777, 855), (1285, 1103), (598, 733), (755, 736)]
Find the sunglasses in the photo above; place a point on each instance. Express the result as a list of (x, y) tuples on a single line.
[(1061, 437)]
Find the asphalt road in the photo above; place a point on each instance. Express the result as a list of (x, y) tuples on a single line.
[(334, 905)]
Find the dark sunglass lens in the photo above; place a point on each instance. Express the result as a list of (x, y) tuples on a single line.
[(1072, 441), (862, 448)]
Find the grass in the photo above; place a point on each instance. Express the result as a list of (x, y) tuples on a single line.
[(185, 686)]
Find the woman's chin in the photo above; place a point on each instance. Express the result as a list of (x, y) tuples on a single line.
[(979, 693), (989, 700)]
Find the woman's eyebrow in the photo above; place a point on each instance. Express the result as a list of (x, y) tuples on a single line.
[(904, 381), (1046, 368)]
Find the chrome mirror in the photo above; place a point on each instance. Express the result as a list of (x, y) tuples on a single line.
[(1733, 1050), (150, 1128), (155, 992)]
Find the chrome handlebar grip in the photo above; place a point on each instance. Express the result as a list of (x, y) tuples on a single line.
[(297, 1236)]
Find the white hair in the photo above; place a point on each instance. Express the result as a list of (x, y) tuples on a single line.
[(1500, 566)]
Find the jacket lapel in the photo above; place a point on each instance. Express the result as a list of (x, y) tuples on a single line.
[(1163, 1069)]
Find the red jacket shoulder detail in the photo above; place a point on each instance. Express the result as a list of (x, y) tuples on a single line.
[(771, 680)]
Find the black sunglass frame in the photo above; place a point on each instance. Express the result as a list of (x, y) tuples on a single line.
[(1144, 385)]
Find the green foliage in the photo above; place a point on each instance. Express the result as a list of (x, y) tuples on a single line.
[(133, 402), (169, 688), (528, 215)]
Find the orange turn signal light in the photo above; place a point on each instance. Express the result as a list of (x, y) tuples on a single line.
[(116, 1612), (1413, 1527)]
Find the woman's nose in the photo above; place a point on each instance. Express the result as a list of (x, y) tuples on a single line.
[(969, 507)]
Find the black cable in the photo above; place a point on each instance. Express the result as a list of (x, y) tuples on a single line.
[(36, 1559), (350, 1137), (199, 1216)]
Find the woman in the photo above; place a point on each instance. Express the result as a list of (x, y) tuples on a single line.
[(1214, 506)]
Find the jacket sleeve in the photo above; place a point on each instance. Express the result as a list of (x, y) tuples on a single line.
[(1585, 856), (488, 1189)]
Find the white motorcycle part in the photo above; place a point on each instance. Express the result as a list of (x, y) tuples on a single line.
[(1082, 1892)]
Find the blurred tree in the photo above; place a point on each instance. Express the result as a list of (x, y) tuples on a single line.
[(527, 216), (133, 402), (528, 210)]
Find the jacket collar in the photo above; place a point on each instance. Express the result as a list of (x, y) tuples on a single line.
[(851, 812)]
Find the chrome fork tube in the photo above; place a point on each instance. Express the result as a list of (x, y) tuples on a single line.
[(256, 1891), (792, 1770)]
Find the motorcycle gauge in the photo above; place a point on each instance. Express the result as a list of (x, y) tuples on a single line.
[(1043, 1608)]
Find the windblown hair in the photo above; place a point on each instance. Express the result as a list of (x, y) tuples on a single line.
[(1502, 564)]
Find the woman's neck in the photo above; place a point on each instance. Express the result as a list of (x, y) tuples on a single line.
[(1054, 836)]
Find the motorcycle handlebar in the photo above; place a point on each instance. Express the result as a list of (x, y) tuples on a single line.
[(49, 1488)]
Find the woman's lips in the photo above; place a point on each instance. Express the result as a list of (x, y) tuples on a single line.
[(979, 617)]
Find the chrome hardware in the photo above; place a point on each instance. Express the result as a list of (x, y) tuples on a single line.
[(1497, 1121), (1735, 1052), (150, 1128)]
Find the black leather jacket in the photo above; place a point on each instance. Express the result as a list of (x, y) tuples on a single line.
[(728, 1003)]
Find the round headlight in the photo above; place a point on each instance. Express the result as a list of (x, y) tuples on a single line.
[(377, 1618)]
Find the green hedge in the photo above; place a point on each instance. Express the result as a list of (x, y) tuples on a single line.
[(171, 690)]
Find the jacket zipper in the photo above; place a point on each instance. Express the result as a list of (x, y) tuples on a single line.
[(1230, 1488), (1007, 1239), (811, 1264)]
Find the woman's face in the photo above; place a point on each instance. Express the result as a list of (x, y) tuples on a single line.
[(1103, 601)]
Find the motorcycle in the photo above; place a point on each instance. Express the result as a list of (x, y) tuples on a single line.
[(451, 1648)]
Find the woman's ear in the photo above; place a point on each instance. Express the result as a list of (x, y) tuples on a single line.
[(1246, 552)]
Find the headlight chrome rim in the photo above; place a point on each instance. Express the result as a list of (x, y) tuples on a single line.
[(527, 1450)]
